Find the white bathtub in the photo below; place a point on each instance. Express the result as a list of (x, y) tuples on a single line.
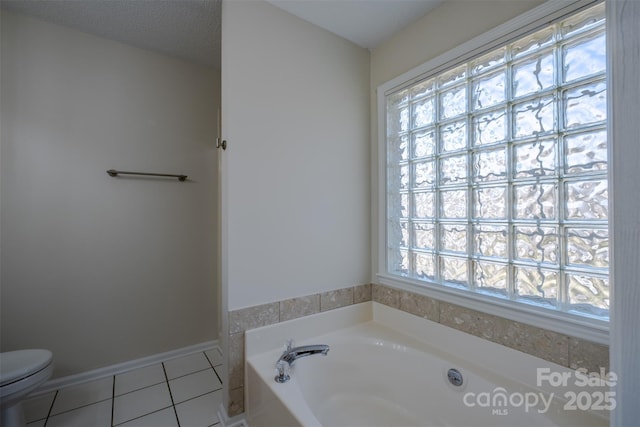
[(389, 368)]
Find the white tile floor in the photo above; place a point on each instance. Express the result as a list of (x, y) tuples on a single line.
[(182, 392)]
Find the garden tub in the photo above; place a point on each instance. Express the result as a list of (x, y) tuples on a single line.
[(389, 368)]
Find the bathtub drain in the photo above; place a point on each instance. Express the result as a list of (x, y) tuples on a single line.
[(455, 377)]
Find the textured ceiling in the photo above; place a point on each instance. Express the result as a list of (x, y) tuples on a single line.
[(188, 29)]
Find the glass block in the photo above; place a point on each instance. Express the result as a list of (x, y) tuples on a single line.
[(423, 235), (538, 244), (394, 233), (586, 152), (534, 74), (490, 202), (454, 270), (424, 205), (536, 201), (453, 237), (491, 277), (452, 76), (424, 174), (587, 199), (424, 143), (536, 285), (488, 61), (584, 57), (454, 136), (488, 91), (404, 177), (397, 99), (585, 105), (398, 262), (589, 294), (490, 128), (453, 102), (397, 177), (397, 206), (404, 205), (422, 89), (584, 20), (397, 121), (454, 203), (490, 240), (490, 165), (424, 266), (404, 235), (535, 159), (588, 246), (453, 170), (532, 42), (423, 112), (397, 148), (534, 117)]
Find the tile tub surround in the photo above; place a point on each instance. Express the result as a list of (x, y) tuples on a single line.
[(267, 314), (548, 345)]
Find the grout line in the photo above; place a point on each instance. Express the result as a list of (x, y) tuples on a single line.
[(113, 398), (121, 368), (80, 407), (200, 395), (208, 360), (142, 416), (175, 411), (217, 375), (166, 380), (138, 389), (46, 420), (213, 367), (190, 373)]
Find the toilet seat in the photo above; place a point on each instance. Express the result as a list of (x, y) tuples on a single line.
[(20, 364)]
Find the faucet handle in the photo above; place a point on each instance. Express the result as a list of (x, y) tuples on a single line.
[(289, 344), (282, 372)]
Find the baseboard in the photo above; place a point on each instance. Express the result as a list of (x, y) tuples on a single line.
[(120, 368), (225, 421)]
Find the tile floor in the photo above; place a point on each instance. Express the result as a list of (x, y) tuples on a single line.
[(181, 392)]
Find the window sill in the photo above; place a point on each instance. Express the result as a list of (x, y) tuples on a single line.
[(585, 328)]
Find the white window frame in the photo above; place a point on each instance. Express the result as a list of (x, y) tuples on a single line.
[(594, 330)]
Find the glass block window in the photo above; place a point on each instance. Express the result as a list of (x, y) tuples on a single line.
[(497, 172)]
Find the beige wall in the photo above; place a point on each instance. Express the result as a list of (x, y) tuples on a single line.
[(296, 193), (295, 175), (103, 270), (449, 25)]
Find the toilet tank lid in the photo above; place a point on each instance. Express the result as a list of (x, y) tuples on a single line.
[(15, 365)]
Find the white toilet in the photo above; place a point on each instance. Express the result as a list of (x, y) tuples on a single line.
[(21, 372)]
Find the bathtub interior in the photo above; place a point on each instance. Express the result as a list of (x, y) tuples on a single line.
[(387, 367)]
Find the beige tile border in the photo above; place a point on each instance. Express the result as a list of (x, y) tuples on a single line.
[(548, 345)]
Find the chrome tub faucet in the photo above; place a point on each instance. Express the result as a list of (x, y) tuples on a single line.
[(291, 354)]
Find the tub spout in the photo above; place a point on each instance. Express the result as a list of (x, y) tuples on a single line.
[(291, 354)]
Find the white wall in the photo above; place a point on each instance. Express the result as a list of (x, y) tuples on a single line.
[(98, 269), (624, 203), (296, 192)]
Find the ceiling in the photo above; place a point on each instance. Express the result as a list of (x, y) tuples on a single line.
[(367, 23), (190, 29)]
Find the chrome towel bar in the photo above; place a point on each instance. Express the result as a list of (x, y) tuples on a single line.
[(113, 172)]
